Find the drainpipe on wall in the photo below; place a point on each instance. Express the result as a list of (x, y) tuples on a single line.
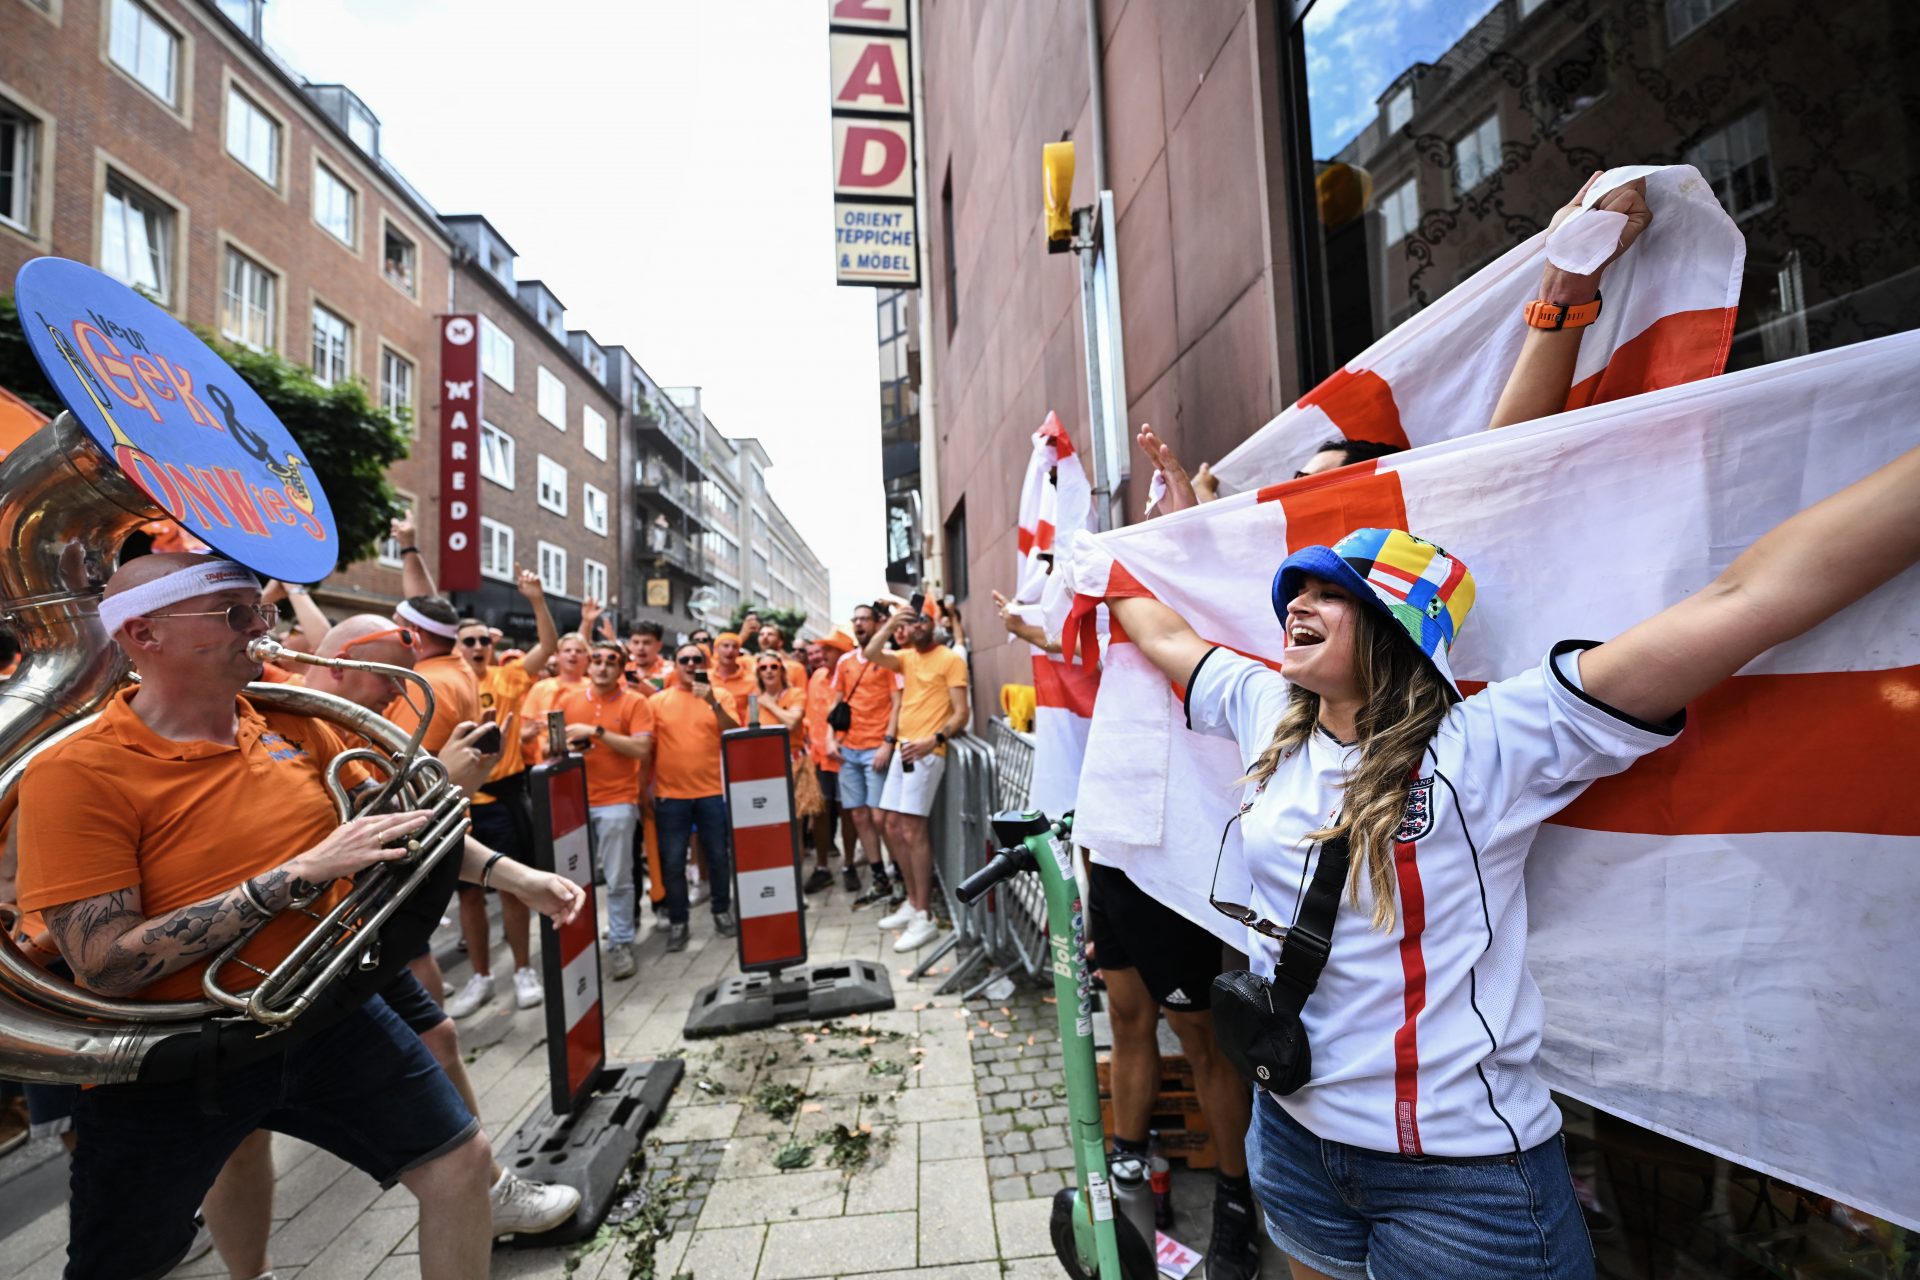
[(1096, 242), (932, 508)]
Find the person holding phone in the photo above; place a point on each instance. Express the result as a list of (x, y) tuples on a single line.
[(612, 724), (689, 715)]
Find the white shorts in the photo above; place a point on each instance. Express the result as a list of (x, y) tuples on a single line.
[(912, 793)]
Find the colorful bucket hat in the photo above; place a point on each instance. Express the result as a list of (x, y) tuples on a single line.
[(1415, 583)]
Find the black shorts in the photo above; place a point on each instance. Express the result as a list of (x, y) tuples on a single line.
[(1176, 958)]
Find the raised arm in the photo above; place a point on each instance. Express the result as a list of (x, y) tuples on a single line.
[(1799, 574), (415, 578), (1181, 493), (535, 591), (1543, 375), (1163, 635), (876, 650), (1020, 629)]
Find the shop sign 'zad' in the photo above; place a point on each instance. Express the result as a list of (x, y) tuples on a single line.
[(875, 239), (177, 420)]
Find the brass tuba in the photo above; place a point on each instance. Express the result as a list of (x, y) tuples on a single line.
[(65, 510)]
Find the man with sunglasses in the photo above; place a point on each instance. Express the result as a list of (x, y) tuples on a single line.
[(434, 625), (501, 815), (689, 715), (611, 723), (152, 838)]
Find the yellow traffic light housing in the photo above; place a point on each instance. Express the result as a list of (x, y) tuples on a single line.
[(1056, 173)]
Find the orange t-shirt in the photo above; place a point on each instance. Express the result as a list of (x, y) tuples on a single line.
[(649, 680), (819, 702), (790, 697), (743, 684), (611, 777), (502, 690), (686, 743), (870, 696), (456, 697), (542, 698), (117, 806), (924, 704)]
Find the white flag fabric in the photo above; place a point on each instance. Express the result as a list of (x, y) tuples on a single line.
[(1724, 933), (1666, 317), (1056, 506)]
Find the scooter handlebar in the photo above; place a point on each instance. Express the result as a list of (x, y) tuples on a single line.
[(1002, 865)]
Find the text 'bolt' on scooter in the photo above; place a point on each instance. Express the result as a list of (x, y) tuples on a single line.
[(1092, 1241)]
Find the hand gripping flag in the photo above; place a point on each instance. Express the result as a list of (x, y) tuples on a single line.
[(1724, 933), (1666, 317), (1056, 505)]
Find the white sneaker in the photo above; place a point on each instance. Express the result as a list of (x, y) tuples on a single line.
[(527, 991), (922, 931), (477, 991), (902, 917), (698, 893), (521, 1207)]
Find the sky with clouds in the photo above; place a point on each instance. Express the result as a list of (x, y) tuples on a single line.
[(665, 169), (1355, 48)]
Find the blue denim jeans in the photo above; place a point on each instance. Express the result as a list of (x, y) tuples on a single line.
[(613, 827), (673, 822), (1355, 1214)]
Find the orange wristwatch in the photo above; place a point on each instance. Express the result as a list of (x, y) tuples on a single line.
[(1558, 315)]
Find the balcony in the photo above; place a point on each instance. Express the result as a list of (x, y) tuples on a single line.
[(662, 547), (656, 479), (667, 421)]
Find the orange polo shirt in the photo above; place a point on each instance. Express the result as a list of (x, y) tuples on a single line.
[(743, 683), (686, 743), (117, 806), (870, 695), (502, 691), (611, 777), (456, 697), (819, 702), (542, 698)]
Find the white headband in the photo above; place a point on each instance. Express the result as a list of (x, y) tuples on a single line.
[(445, 630), (210, 575)]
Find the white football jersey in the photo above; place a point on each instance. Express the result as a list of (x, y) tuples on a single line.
[(1424, 1037)]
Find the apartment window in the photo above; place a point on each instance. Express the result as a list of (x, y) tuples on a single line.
[(1476, 154), (553, 568), (1400, 212), (496, 455), (496, 354), (332, 347), (333, 204), (253, 136), (1400, 109), (136, 239), (1684, 17), (553, 398), (397, 258), (553, 485), (593, 581), (593, 431), (396, 385), (1737, 164), (146, 49), (390, 545), (248, 304), (593, 504), (496, 549), (19, 134)]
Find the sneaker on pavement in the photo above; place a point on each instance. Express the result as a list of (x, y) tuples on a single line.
[(477, 991), (697, 894), (620, 960), (1233, 1253), (723, 924), (527, 991), (919, 933), (660, 920), (820, 879), (850, 880), (678, 936), (868, 898), (521, 1207), (898, 919)]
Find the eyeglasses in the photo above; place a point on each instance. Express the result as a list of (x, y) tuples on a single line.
[(691, 660), (485, 642), (401, 634), (239, 616), (1239, 911)]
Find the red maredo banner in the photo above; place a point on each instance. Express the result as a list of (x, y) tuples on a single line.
[(459, 453), (178, 420)]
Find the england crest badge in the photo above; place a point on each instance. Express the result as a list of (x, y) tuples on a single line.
[(1418, 819)]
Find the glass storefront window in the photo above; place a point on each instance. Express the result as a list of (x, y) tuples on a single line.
[(1444, 133)]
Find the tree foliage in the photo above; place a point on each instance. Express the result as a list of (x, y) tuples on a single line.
[(348, 438), (788, 620)]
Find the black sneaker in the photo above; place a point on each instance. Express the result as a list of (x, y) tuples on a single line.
[(820, 879), (1234, 1251), (850, 880), (677, 937), (876, 894)]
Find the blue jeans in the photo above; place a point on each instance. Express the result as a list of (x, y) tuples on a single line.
[(860, 782), (1355, 1214), (673, 822), (613, 828), (364, 1089)]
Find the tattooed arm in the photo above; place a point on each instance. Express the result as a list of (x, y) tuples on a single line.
[(115, 949)]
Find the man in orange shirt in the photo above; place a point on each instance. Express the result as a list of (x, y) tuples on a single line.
[(933, 708), (500, 812), (821, 655), (646, 665), (152, 838), (613, 725), (689, 715), (729, 672), (435, 626), (872, 695), (570, 672)]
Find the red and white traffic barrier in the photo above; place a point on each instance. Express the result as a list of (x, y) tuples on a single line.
[(766, 849)]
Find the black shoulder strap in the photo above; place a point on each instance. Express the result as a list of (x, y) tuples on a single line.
[(1303, 953)]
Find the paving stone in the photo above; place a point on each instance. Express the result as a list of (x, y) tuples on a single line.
[(1016, 1142), (1030, 1162), (1045, 1184), (721, 1251), (1000, 1166), (950, 1139), (1047, 1137), (805, 1193), (1014, 1188), (956, 1218), (1024, 1227), (827, 1246), (1059, 1158), (997, 1123)]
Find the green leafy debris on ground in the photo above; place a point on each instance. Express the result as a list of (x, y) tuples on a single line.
[(883, 1067), (795, 1155), (638, 1221), (781, 1101), (848, 1149)]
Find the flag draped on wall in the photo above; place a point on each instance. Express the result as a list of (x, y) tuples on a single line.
[(1724, 933), (1666, 317)]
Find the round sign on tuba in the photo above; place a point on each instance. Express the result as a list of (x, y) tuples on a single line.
[(178, 420)]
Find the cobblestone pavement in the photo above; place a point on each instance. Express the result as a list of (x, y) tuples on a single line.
[(925, 1140)]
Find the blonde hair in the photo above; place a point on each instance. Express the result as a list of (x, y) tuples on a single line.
[(1403, 700)]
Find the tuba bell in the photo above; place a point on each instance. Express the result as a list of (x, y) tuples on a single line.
[(65, 511)]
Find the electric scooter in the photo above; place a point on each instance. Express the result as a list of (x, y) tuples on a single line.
[(1092, 1241)]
